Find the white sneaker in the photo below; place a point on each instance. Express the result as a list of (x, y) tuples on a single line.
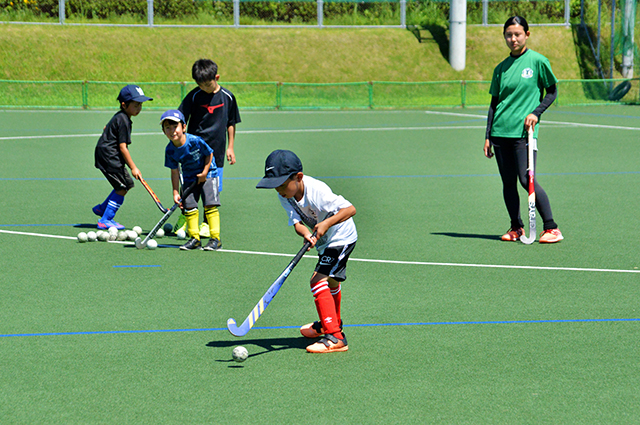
[(204, 230)]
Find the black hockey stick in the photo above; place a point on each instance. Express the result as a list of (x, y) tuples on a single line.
[(143, 243)]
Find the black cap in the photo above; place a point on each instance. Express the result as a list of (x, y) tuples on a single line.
[(278, 167)]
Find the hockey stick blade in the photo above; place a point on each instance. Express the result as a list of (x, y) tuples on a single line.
[(165, 217), (268, 296), (153, 195), (532, 192)]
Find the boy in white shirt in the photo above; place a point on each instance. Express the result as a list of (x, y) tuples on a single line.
[(309, 202)]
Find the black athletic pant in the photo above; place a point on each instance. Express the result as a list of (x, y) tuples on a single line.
[(511, 156)]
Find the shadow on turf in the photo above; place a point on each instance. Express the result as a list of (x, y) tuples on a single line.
[(86, 226), (273, 344), (467, 235)]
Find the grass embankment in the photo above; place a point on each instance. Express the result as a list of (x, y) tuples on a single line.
[(307, 55)]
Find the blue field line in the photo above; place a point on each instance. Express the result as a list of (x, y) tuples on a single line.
[(40, 225), (364, 325), (409, 176), (149, 265)]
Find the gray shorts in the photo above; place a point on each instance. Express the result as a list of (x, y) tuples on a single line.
[(209, 193)]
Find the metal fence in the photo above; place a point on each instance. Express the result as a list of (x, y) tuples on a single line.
[(401, 15), (293, 96)]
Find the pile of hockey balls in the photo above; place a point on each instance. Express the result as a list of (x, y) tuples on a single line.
[(112, 234)]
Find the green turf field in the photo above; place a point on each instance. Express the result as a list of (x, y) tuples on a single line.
[(445, 322)]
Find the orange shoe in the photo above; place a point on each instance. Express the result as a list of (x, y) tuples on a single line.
[(551, 236), (513, 234), (314, 330), (329, 344)]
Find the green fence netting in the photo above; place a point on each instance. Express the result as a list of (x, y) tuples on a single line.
[(291, 96)]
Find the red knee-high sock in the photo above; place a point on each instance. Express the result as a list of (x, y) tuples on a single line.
[(336, 293), (326, 308)]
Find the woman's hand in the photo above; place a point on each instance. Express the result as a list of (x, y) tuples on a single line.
[(530, 121), (487, 149)]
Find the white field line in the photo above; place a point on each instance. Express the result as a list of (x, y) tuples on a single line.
[(571, 124), (301, 130), (334, 130), (330, 130), (43, 235), (364, 260)]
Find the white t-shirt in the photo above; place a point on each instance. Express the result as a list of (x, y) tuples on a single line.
[(318, 201)]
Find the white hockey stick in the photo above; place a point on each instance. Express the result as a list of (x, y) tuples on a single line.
[(532, 192)]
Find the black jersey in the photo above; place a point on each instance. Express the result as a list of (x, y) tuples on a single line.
[(209, 115), (107, 154)]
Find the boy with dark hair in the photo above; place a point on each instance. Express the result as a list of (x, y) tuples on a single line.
[(309, 202), (112, 153), (211, 112), (196, 159)]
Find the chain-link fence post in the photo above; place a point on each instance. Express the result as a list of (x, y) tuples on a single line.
[(320, 13), (61, 11), (403, 13), (485, 12), (236, 13), (85, 94), (150, 12)]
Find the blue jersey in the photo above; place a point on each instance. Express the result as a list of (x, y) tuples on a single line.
[(191, 157)]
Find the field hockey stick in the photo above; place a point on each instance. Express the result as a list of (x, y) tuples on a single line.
[(165, 217), (532, 192), (268, 296), (153, 195)]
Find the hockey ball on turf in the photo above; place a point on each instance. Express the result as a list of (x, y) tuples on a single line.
[(240, 354)]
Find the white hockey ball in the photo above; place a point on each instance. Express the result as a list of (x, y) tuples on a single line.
[(240, 354)]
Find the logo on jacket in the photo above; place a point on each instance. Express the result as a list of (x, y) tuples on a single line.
[(527, 73), (210, 108)]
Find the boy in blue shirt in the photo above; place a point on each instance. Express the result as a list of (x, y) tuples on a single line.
[(194, 156), (112, 154)]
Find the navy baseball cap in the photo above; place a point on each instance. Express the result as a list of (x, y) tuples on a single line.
[(278, 167), (132, 92), (173, 115)]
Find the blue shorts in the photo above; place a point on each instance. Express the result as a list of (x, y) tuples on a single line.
[(220, 170)]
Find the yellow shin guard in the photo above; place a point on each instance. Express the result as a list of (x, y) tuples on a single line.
[(192, 223), (213, 217)]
